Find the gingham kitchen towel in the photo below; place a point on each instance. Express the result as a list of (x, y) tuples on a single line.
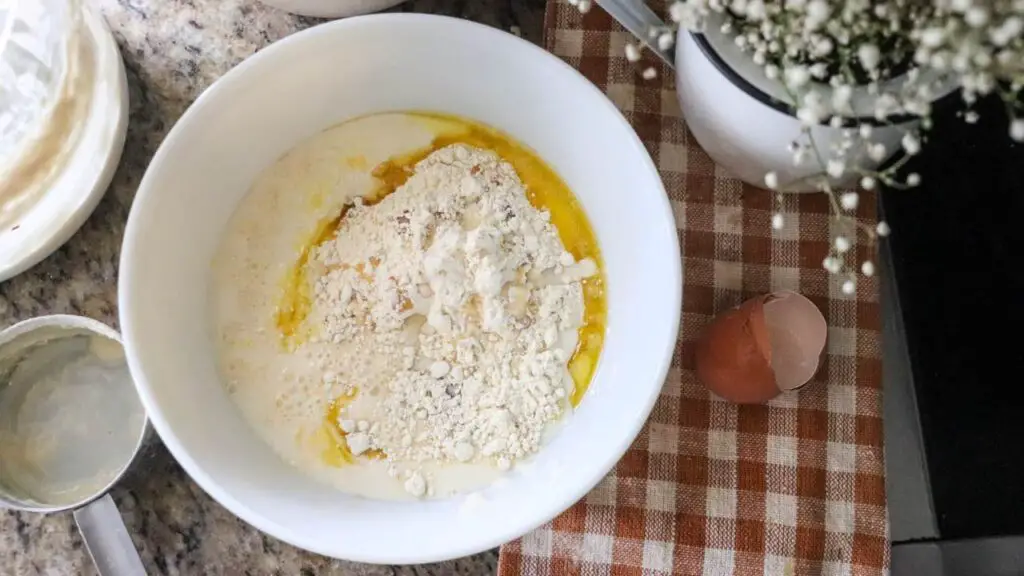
[(795, 487)]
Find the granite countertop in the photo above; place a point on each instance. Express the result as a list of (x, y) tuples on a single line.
[(173, 50)]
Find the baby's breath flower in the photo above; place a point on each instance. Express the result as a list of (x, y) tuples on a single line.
[(797, 76), (1017, 129), (835, 168), (911, 143), (649, 73), (869, 56), (849, 200), (666, 40), (976, 16), (632, 52), (831, 58), (877, 151), (584, 6)]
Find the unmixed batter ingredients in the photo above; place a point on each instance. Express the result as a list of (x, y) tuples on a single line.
[(434, 321)]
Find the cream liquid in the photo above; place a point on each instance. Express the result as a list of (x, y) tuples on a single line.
[(280, 392)]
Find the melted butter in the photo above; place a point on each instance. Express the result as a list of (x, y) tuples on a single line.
[(330, 435), (545, 190), (296, 287)]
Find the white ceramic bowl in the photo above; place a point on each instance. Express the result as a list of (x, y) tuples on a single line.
[(83, 177), (316, 79), (332, 8)]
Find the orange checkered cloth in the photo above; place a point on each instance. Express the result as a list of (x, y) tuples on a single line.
[(794, 487)]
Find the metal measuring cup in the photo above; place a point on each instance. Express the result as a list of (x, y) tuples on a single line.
[(70, 426)]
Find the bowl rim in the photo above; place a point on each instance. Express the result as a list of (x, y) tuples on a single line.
[(134, 229)]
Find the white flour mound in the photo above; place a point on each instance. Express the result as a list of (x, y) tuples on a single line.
[(467, 291)]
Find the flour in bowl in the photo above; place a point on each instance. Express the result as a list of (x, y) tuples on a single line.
[(494, 302), (432, 322)]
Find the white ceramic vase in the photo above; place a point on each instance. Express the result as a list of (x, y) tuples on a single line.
[(743, 119)]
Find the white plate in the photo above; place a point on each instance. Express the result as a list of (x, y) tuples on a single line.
[(316, 79), (84, 178)]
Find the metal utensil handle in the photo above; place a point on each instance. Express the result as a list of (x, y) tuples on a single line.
[(638, 18), (107, 539)]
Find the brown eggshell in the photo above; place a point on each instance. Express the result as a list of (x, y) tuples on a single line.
[(733, 355), (797, 331)]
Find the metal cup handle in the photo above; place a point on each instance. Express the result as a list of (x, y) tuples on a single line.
[(107, 539)]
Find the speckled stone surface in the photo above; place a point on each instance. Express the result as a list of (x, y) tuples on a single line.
[(173, 50)]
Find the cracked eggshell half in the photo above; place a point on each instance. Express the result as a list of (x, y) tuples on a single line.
[(768, 345)]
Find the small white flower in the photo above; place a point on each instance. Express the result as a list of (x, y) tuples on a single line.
[(882, 229), (867, 183), (933, 37), (632, 52), (817, 14), (649, 73), (837, 122), (797, 76), (911, 143), (755, 10), (961, 6), (1010, 29), (811, 109), (832, 264), (867, 268), (976, 16), (777, 221), (842, 244), (849, 200), (771, 180), (841, 97), (771, 71), (819, 70), (584, 6), (877, 151), (835, 168), (666, 40), (849, 286), (822, 47), (1017, 129), (865, 131), (913, 179), (869, 56), (741, 42), (680, 12), (971, 117), (885, 106)]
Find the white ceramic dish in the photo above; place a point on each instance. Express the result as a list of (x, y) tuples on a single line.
[(84, 178), (332, 8), (300, 86)]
